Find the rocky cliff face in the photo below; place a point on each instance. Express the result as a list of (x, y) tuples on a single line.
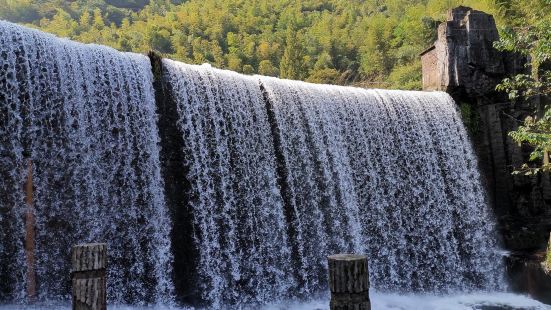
[(470, 63), (464, 63)]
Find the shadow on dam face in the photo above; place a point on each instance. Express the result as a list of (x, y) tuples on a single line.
[(177, 189)]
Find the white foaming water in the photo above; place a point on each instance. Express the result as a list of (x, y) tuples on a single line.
[(241, 235), (85, 116), (281, 175), (386, 173), (379, 301)]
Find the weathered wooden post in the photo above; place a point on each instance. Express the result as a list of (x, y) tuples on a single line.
[(89, 277), (349, 282), (30, 234)]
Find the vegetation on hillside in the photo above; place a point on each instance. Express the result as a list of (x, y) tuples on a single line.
[(372, 43), (529, 33)]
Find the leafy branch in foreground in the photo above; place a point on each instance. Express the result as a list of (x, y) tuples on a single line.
[(530, 36), (537, 133), (525, 86)]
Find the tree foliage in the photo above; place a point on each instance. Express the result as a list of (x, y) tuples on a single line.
[(364, 42), (529, 34)]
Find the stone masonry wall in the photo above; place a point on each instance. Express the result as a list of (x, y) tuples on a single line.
[(468, 67)]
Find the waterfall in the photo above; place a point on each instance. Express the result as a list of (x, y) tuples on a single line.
[(262, 177), (388, 173), (244, 254), (85, 116)]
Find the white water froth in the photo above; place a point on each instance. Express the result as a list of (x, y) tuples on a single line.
[(382, 301), (244, 254), (388, 173), (281, 173), (85, 116), (379, 301)]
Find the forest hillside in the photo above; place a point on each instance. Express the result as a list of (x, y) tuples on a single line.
[(373, 43)]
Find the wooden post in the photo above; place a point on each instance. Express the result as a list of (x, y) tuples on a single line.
[(29, 235), (89, 277), (349, 282)]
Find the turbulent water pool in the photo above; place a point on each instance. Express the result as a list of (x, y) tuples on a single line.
[(380, 301), (481, 301)]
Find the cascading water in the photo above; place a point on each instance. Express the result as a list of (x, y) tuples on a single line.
[(244, 254), (277, 175), (388, 173), (85, 116)]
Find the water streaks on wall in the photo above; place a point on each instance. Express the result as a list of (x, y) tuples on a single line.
[(274, 175)]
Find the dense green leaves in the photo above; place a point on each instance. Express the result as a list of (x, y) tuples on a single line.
[(374, 43), (292, 63), (537, 133), (529, 34)]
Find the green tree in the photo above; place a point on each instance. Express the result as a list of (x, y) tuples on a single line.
[(292, 62), (376, 60), (85, 21), (234, 62), (324, 76), (365, 42), (406, 76), (98, 22), (265, 67), (530, 36), (159, 40), (61, 24), (23, 11), (248, 69), (324, 61)]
